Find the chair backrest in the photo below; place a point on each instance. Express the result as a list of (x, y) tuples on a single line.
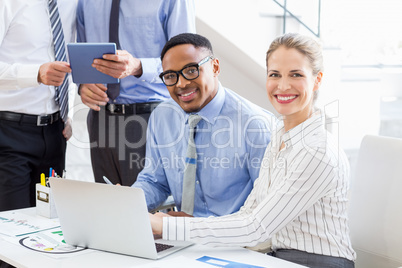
[(375, 211)]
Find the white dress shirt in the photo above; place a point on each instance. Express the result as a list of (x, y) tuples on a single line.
[(26, 42), (299, 199)]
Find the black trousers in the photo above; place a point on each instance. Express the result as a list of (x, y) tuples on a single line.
[(117, 145), (5, 265), (312, 260), (26, 151)]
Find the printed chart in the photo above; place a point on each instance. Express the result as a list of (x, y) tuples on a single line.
[(18, 224), (50, 241)]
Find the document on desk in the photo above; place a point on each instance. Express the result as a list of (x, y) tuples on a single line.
[(49, 242), (225, 263), (19, 224), (203, 262)]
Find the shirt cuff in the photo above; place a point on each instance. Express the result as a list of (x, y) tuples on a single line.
[(149, 65), (28, 75), (176, 228)]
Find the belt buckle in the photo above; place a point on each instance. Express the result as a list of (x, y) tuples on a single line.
[(115, 109), (39, 120)]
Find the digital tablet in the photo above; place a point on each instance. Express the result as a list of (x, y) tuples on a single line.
[(82, 55)]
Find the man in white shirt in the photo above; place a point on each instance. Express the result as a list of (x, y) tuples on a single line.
[(33, 131)]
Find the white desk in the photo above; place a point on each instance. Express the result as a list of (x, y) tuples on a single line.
[(22, 257)]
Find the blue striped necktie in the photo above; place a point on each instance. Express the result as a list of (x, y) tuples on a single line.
[(61, 96), (187, 201)]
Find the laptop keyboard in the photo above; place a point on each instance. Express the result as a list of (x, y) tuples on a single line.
[(161, 247)]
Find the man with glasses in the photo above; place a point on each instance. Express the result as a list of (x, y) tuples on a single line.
[(228, 139)]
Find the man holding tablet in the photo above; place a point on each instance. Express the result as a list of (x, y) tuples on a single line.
[(117, 121)]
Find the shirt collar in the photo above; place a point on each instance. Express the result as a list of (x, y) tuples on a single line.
[(303, 130), (211, 111)]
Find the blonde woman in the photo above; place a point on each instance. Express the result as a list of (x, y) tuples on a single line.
[(300, 197)]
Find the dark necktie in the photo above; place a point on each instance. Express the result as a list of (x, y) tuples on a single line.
[(61, 96), (113, 90), (187, 202)]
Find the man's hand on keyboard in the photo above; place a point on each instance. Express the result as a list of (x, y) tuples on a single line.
[(179, 214)]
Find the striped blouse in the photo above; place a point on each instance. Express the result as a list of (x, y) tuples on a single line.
[(299, 199)]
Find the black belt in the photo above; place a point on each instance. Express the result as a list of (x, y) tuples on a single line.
[(37, 120), (135, 108)]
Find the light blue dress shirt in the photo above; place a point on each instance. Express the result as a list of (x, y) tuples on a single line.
[(144, 28), (230, 139)]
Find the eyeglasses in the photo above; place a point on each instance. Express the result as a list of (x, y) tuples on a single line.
[(189, 72)]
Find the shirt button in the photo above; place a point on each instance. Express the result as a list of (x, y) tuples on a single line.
[(198, 182)]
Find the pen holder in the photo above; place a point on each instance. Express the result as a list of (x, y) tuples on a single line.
[(44, 202)]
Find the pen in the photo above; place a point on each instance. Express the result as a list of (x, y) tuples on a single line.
[(107, 180), (42, 179), (64, 174)]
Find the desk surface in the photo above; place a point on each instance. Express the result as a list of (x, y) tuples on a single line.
[(22, 257)]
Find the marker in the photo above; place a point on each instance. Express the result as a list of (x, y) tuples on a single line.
[(53, 173), (42, 179), (64, 174), (50, 172), (107, 180)]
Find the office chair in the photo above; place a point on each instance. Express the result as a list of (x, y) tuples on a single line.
[(166, 206), (375, 211)]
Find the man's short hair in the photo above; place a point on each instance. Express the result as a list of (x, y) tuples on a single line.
[(187, 38)]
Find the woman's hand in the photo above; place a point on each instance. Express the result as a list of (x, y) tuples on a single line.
[(157, 222)]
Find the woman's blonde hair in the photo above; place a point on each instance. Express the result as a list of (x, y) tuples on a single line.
[(305, 45)]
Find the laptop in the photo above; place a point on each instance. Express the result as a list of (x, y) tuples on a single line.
[(109, 218)]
